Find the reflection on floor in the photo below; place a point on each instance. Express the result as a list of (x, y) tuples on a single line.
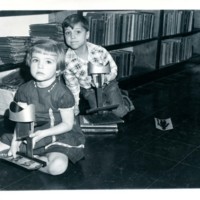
[(139, 156)]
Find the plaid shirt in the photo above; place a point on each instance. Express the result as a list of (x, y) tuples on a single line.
[(76, 71)]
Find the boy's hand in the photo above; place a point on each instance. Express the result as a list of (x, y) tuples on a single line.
[(95, 81)]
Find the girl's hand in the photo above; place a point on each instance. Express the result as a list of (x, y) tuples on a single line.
[(76, 110), (14, 148), (37, 136)]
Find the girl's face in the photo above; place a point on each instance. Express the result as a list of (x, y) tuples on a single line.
[(76, 37), (43, 67)]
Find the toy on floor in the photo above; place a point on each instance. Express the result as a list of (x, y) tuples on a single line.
[(24, 118)]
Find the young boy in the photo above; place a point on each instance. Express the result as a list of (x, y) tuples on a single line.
[(80, 52)]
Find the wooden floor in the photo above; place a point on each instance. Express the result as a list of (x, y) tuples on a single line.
[(139, 156)]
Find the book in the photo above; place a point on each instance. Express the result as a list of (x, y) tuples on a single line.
[(124, 60), (87, 126), (102, 130), (85, 123)]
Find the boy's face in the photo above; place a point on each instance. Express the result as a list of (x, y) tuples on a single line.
[(76, 37), (43, 66)]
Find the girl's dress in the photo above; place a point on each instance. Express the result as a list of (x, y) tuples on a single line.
[(47, 103)]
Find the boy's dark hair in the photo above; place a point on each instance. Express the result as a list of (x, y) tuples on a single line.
[(73, 19)]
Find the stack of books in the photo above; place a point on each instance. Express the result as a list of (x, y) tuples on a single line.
[(124, 60), (176, 50), (13, 49), (177, 21), (102, 127), (46, 31)]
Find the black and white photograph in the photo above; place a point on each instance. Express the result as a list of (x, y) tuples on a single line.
[(100, 97)]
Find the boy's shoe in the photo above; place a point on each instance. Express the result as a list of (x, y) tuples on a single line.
[(128, 103), (124, 92)]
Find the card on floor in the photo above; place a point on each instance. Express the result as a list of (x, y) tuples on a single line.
[(163, 124)]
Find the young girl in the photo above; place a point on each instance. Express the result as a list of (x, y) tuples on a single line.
[(64, 140)]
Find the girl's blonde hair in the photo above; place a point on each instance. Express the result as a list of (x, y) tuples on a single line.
[(48, 46)]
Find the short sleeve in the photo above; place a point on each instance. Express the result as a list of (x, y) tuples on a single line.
[(20, 95), (65, 99)]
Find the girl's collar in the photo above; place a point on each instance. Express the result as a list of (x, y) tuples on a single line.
[(49, 88)]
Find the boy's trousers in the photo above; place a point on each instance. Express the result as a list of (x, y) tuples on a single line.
[(111, 96)]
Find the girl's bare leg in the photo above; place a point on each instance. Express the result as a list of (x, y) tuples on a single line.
[(57, 163)]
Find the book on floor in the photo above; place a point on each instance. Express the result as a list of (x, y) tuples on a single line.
[(87, 126)]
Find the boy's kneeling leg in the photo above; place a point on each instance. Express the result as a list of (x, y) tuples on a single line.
[(114, 97)]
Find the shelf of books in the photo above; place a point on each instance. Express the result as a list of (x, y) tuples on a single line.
[(108, 28), (177, 22), (154, 39), (119, 31), (176, 41), (175, 50), (13, 48), (140, 41)]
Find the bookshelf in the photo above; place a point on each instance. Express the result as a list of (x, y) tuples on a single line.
[(144, 33), (9, 13), (168, 46), (7, 49)]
